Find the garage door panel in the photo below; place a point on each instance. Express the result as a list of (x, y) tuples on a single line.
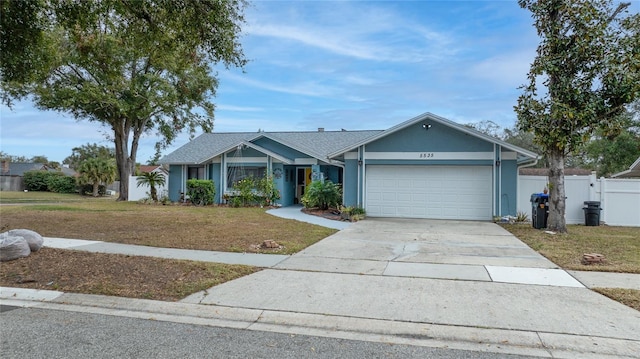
[(441, 192)]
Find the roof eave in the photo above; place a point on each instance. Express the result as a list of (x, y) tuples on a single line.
[(441, 120), (255, 147)]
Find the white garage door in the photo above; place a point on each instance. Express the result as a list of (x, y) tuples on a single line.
[(439, 192)]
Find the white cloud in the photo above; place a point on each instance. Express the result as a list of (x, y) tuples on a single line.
[(509, 69), (309, 88), (366, 32), (224, 107)]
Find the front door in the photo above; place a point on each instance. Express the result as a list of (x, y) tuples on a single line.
[(303, 179)]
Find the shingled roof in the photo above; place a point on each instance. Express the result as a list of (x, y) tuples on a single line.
[(316, 144)]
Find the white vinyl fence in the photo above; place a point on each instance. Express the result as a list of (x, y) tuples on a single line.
[(619, 198), (137, 193)]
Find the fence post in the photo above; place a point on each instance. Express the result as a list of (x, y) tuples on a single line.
[(594, 187), (603, 197)]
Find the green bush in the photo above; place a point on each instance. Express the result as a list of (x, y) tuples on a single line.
[(245, 190), (251, 191), (59, 183), (43, 181), (322, 194), (201, 192), (36, 180), (267, 190)]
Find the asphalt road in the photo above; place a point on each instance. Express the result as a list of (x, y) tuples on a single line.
[(40, 333)]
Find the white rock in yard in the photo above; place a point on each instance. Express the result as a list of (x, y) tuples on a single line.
[(13, 247), (34, 239)]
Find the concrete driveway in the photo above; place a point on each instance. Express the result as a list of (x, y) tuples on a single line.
[(454, 279)]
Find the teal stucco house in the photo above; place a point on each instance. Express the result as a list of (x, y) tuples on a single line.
[(426, 167)]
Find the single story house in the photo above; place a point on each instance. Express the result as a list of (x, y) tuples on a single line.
[(426, 167)]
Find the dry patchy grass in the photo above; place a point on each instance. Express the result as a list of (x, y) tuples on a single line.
[(172, 226), (116, 274), (619, 245)]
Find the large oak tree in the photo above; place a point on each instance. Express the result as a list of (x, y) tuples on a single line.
[(136, 66), (586, 71)]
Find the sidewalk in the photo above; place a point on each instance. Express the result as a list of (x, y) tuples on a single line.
[(251, 259)]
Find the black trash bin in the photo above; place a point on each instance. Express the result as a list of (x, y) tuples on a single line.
[(591, 213), (539, 210)]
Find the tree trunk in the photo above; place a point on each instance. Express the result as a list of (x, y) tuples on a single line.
[(556, 221), (123, 162), (96, 189)]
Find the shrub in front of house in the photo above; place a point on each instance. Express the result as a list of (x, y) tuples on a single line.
[(322, 195), (201, 192), (251, 191), (245, 192), (267, 190)]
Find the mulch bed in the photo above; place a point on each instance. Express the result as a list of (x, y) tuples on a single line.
[(330, 213)]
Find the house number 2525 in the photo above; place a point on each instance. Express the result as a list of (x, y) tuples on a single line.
[(426, 155)]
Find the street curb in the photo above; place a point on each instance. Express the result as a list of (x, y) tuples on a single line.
[(494, 340)]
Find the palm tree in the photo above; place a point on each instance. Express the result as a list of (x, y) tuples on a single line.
[(97, 171), (152, 179)]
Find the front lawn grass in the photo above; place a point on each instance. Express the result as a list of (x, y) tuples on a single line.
[(116, 274), (172, 226), (619, 245), (31, 197)]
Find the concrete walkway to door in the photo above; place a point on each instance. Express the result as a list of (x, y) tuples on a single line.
[(436, 280)]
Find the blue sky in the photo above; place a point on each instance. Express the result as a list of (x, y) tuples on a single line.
[(340, 65)]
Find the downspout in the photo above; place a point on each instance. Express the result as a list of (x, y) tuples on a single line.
[(364, 176), (223, 186), (184, 183), (493, 187), (359, 173), (222, 177), (499, 163)]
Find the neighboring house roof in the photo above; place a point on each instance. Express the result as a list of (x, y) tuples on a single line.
[(434, 118), (19, 168), (152, 168), (316, 144), (633, 171), (545, 172), (147, 168), (68, 171)]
